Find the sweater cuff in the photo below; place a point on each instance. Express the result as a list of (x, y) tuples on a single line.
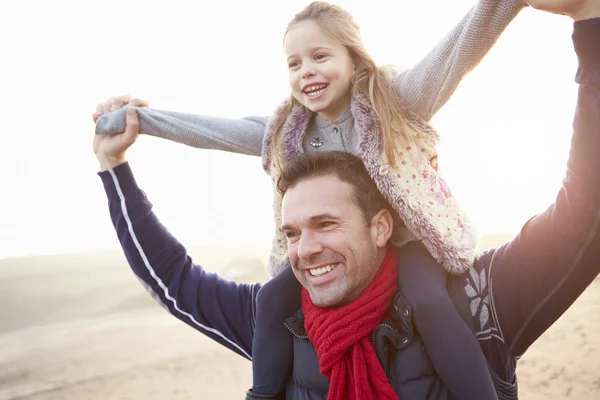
[(587, 48), (119, 182)]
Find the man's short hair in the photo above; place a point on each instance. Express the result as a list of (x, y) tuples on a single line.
[(347, 167)]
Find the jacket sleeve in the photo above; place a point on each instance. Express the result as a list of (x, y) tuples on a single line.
[(242, 136), (537, 276), (221, 309), (428, 85)]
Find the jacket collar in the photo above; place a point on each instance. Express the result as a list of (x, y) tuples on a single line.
[(398, 327)]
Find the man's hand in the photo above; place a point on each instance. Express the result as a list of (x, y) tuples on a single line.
[(114, 103), (110, 149), (576, 9)]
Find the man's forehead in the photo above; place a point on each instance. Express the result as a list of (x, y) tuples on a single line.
[(316, 196)]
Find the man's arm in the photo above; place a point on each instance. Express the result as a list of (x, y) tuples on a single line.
[(221, 309), (429, 84), (537, 276)]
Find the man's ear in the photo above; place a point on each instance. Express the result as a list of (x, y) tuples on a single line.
[(382, 226)]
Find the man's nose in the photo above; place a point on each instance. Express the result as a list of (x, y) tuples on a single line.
[(308, 246)]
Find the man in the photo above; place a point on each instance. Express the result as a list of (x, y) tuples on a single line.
[(353, 324)]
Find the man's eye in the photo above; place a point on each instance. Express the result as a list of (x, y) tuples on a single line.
[(327, 224), (290, 235)]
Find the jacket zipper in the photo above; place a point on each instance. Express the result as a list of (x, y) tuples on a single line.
[(377, 328), (384, 324), (299, 336)]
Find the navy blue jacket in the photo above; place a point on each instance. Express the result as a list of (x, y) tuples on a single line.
[(516, 292)]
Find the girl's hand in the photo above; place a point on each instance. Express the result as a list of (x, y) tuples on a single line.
[(114, 103), (576, 9)]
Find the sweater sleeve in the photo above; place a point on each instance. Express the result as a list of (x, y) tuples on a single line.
[(221, 309), (428, 85), (537, 276), (242, 136)]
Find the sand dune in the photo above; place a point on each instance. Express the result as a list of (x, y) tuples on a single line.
[(81, 327)]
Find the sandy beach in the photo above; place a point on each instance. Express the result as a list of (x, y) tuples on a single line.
[(81, 327)]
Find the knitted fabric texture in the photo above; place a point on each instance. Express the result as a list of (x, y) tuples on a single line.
[(342, 338)]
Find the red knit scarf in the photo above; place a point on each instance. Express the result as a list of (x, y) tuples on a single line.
[(342, 338)]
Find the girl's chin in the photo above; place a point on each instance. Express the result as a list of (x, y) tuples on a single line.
[(318, 106)]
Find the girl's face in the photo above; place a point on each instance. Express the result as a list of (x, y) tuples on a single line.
[(320, 70)]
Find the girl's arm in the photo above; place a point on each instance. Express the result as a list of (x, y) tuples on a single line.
[(242, 136), (428, 85)]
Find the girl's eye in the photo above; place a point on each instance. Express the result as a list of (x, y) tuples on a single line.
[(293, 64), (320, 56)]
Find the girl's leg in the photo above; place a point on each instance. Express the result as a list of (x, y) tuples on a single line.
[(272, 347), (452, 346)]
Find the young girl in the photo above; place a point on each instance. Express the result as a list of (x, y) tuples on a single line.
[(342, 101)]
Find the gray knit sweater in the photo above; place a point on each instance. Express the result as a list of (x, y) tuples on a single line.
[(423, 89)]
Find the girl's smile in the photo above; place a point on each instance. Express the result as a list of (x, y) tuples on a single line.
[(320, 69)]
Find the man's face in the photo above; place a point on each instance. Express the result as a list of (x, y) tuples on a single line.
[(333, 251)]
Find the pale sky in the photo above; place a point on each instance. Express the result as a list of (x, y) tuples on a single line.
[(505, 133)]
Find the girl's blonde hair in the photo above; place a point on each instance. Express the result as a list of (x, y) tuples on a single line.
[(370, 80)]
